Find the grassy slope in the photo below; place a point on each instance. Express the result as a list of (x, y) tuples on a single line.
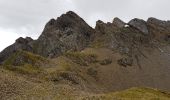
[(69, 77), (132, 94), (15, 86)]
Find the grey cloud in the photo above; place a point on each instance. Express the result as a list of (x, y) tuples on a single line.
[(30, 16), (124, 9)]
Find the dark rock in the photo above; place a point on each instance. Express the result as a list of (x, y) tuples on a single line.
[(68, 32), (100, 26), (118, 22), (125, 62), (140, 25), (22, 40), (20, 44), (158, 28), (108, 27)]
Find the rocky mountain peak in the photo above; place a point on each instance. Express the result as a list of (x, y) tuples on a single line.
[(68, 20), (67, 32), (71, 32)]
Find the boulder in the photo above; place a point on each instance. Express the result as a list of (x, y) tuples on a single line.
[(118, 22), (140, 25), (125, 62)]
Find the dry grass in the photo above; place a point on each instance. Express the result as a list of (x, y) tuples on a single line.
[(80, 58), (25, 63), (132, 94), (74, 76)]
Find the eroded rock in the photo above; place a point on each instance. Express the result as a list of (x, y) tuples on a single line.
[(140, 25), (67, 32), (118, 22)]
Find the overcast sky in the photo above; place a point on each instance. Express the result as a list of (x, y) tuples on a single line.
[(28, 17)]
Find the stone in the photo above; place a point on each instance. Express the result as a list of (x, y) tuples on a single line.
[(118, 22), (158, 28), (125, 62), (140, 25), (108, 27)]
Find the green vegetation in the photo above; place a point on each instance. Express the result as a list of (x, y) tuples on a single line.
[(133, 94), (66, 65), (25, 69), (24, 62), (23, 57), (83, 59)]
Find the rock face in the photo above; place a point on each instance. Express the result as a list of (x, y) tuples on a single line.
[(108, 27), (68, 32), (20, 44), (160, 29), (140, 25), (118, 22)]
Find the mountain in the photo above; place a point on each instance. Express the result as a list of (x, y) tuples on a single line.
[(67, 32), (70, 59)]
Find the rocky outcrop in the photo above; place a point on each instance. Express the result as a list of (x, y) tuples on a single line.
[(125, 62), (160, 29), (140, 25), (20, 44), (118, 22), (67, 32), (108, 27)]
